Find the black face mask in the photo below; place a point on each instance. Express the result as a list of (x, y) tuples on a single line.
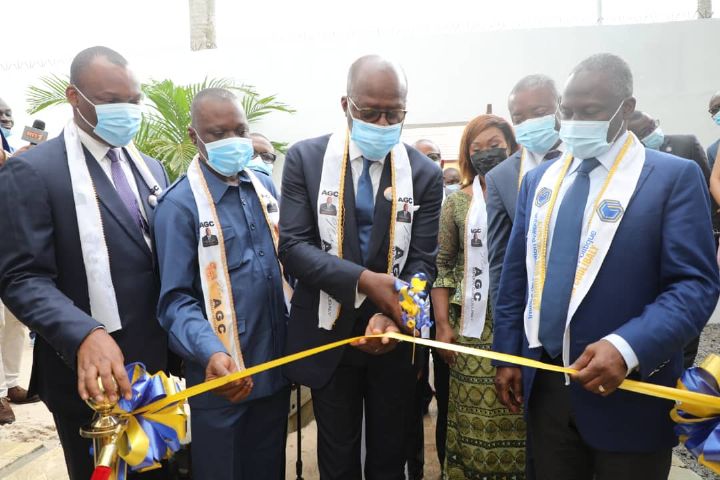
[(486, 160)]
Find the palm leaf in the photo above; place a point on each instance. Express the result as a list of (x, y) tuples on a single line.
[(49, 93)]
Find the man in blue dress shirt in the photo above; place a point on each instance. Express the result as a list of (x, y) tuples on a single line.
[(239, 430)]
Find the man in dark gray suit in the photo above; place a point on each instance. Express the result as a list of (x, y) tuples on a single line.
[(347, 381), (648, 130), (43, 276), (533, 104)]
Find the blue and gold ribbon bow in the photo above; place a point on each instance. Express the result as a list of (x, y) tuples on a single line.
[(153, 436), (699, 426), (414, 302)]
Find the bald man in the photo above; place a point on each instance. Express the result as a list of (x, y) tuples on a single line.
[(85, 332), (353, 294), (264, 154), (239, 430)]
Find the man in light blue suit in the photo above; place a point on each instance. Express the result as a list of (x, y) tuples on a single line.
[(613, 248)]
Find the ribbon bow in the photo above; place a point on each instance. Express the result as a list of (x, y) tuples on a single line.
[(149, 437), (699, 426), (414, 302)]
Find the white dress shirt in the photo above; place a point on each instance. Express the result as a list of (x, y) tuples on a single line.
[(356, 167), (597, 179), (99, 151), (534, 159)]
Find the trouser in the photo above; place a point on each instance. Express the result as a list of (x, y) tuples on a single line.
[(441, 372), (422, 396), (78, 457), (241, 442), (12, 336), (381, 385), (560, 452)]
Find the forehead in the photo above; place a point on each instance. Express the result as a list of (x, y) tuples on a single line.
[(212, 111), (590, 86), (3, 105), (487, 135), (261, 144), (427, 147), (542, 95), (103, 76), (713, 101), (382, 85)]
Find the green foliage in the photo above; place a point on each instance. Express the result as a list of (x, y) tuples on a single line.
[(163, 133)]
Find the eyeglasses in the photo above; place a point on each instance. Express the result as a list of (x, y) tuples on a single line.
[(435, 157), (266, 157), (713, 111), (372, 115)]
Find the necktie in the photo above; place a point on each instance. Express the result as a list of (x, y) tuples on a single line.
[(364, 208), (123, 188), (562, 260)]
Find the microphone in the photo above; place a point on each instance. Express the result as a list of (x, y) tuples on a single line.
[(35, 134)]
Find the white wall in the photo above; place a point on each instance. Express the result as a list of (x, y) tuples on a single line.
[(452, 76)]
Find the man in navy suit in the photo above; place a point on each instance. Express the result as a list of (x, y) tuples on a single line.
[(43, 276), (370, 378), (653, 291)]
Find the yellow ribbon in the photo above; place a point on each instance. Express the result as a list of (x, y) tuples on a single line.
[(687, 398)]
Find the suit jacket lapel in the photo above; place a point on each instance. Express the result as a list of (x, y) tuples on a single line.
[(110, 199), (381, 220), (351, 242), (143, 191)]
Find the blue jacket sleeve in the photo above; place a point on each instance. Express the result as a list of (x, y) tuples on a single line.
[(689, 273), (180, 313), (28, 268), (508, 317)]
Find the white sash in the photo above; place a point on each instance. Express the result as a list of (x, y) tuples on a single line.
[(96, 259), (597, 234), (331, 215), (212, 261), (476, 274)]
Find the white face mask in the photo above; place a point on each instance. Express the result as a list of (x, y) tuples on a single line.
[(588, 138)]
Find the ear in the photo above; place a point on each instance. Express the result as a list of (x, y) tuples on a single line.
[(344, 103), (193, 135), (629, 107), (72, 96)]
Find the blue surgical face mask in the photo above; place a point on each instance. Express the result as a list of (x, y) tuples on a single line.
[(6, 132), (229, 155), (538, 134), (259, 165), (716, 117), (588, 138), (655, 139), (452, 188), (375, 141), (117, 123)]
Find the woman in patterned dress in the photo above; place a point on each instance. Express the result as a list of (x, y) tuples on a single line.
[(484, 440)]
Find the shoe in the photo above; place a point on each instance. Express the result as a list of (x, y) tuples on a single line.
[(19, 395), (6, 414)]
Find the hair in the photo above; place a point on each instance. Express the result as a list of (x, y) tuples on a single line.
[(85, 58), (363, 65), (259, 135), (426, 141), (213, 93), (474, 128), (616, 69), (535, 81)]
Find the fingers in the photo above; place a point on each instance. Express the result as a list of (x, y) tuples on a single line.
[(584, 359), (517, 389), (121, 380)]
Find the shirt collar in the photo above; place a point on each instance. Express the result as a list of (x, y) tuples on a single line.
[(608, 158), (537, 158), (354, 153), (216, 186), (96, 148)]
